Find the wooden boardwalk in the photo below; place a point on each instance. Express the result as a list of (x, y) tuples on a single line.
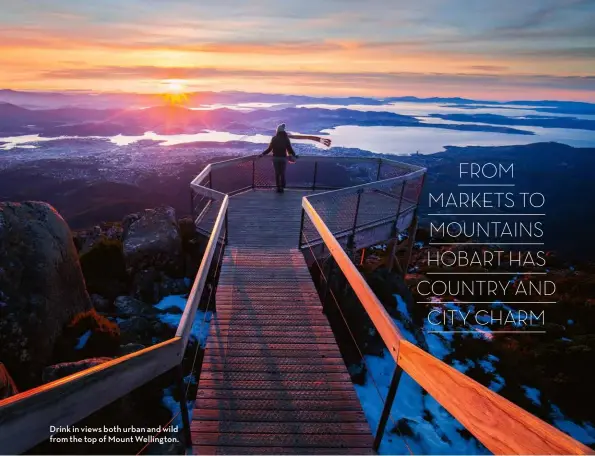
[(273, 380)]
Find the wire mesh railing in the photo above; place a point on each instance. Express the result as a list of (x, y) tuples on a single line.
[(307, 172), (351, 326), (362, 199), (363, 215)]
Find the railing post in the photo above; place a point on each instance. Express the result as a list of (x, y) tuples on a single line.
[(253, 172), (301, 229), (379, 166), (211, 179), (327, 286), (413, 228), (183, 406), (388, 404), (351, 240), (315, 172), (226, 237), (192, 204), (394, 228)]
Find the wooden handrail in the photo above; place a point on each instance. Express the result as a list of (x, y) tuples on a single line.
[(185, 325), (25, 418), (382, 321), (201, 176), (500, 425)]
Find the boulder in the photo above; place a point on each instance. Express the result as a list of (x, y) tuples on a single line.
[(136, 330), (104, 268), (100, 303), (85, 240), (162, 331), (7, 385), (152, 239), (173, 310), (130, 348), (145, 286), (194, 251), (151, 286), (42, 286), (57, 371), (169, 286), (127, 305), (187, 229)]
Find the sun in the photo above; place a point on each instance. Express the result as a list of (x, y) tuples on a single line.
[(175, 92), (175, 87)]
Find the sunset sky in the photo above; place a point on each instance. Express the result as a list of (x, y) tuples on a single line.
[(494, 49)]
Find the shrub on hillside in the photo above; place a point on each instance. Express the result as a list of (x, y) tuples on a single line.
[(88, 335)]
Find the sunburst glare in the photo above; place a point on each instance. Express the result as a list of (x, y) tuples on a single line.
[(175, 92)]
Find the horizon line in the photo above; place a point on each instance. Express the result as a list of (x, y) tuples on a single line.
[(371, 97)]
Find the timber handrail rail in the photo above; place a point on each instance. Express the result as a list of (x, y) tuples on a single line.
[(187, 319), (500, 425), (25, 418), (380, 317)]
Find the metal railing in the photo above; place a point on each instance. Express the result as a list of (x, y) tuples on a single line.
[(25, 418), (381, 192), (500, 425)]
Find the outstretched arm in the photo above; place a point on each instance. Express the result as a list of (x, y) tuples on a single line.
[(325, 141), (268, 149)]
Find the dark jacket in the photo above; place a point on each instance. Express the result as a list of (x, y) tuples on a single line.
[(280, 145)]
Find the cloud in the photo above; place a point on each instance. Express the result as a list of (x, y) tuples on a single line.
[(494, 68), (327, 77), (371, 44)]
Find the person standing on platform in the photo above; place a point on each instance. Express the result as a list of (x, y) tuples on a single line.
[(280, 145)]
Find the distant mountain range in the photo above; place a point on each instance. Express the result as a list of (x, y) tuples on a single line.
[(103, 100), (16, 120), (83, 121)]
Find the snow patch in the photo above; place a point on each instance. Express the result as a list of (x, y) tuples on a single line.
[(202, 320), (533, 394), (584, 433), (83, 340), (433, 429)]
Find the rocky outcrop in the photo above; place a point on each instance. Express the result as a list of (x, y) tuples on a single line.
[(128, 306), (193, 245), (7, 385), (152, 286), (57, 371), (101, 304), (152, 240), (136, 330), (145, 331), (85, 240), (41, 286), (104, 268), (130, 348)]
